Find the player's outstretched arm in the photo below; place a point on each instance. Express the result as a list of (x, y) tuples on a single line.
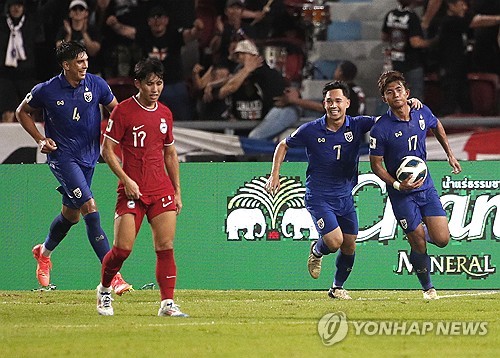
[(440, 135), (273, 182)]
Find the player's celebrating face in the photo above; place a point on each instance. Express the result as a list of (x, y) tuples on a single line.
[(149, 89), (396, 95), (335, 104), (76, 69)]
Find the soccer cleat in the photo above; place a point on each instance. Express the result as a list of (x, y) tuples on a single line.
[(43, 266), (431, 294), (169, 308), (313, 263), (104, 299), (119, 285), (338, 293)]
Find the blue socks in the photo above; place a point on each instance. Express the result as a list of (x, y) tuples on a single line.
[(96, 235), (344, 265), (320, 248), (58, 230), (422, 267)]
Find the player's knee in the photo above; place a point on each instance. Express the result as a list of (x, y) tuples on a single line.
[(441, 241), (88, 207)]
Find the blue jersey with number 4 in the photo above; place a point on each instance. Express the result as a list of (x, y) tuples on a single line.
[(394, 139), (72, 116), (333, 156)]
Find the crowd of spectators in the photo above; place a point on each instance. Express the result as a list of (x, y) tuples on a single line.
[(206, 79)]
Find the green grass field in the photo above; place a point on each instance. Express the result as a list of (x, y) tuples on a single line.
[(243, 324)]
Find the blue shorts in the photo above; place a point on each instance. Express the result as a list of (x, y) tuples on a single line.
[(410, 208), (330, 213), (75, 183)]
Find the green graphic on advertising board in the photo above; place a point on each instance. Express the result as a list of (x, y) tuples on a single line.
[(232, 235)]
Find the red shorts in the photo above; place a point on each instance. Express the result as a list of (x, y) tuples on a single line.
[(150, 206)]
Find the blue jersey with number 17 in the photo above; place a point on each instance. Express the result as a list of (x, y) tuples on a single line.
[(394, 139), (72, 116), (333, 156)]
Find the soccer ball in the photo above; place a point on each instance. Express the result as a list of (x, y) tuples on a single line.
[(414, 166)]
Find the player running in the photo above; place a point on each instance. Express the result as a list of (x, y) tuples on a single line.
[(332, 145), (401, 132), (70, 104), (143, 128)]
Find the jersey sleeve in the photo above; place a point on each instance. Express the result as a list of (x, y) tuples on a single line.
[(106, 95), (169, 138), (35, 97), (297, 138), (430, 117), (115, 130), (365, 123), (377, 143)]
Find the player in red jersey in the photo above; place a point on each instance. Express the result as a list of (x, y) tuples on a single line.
[(143, 128)]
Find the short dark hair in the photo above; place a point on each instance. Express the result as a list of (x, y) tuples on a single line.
[(337, 85), (148, 66), (68, 51), (389, 77), (349, 70)]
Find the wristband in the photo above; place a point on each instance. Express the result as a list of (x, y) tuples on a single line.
[(396, 185), (41, 144)]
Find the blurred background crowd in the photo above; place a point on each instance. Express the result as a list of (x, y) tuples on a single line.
[(246, 59)]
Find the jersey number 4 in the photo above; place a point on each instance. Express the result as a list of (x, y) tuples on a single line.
[(76, 115)]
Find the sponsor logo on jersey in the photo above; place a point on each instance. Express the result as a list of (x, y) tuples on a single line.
[(373, 143), (60, 103), (136, 128), (398, 134), (131, 204), (321, 140), (163, 125)]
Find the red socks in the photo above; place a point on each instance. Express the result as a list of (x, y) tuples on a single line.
[(166, 273), (112, 263)]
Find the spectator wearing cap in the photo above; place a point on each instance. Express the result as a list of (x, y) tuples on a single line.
[(228, 31), (159, 40), (252, 89), (77, 28), (17, 57)]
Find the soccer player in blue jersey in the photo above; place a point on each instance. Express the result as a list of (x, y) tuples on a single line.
[(332, 145), (70, 104), (401, 132)]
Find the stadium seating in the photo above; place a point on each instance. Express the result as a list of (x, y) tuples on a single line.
[(122, 87), (484, 93), (483, 143), (432, 92)]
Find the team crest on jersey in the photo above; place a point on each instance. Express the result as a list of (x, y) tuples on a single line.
[(348, 136), (163, 125), (87, 95), (403, 223), (321, 223), (131, 204), (77, 193), (421, 122)]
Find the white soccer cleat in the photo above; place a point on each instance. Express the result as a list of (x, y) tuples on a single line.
[(431, 294), (104, 299), (313, 262), (338, 293), (169, 308)]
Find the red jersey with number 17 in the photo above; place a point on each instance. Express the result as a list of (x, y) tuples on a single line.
[(142, 134)]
